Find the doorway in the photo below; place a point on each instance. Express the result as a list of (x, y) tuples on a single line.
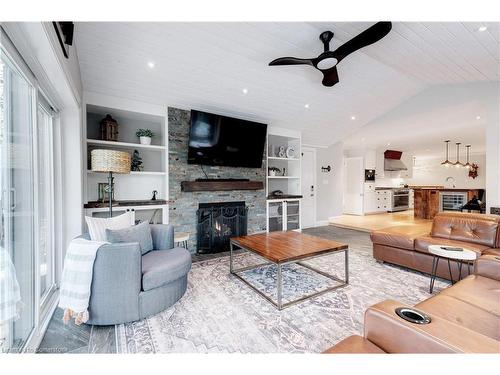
[(353, 185), (308, 187)]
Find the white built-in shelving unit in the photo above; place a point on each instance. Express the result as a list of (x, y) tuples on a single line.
[(283, 214), (138, 185)]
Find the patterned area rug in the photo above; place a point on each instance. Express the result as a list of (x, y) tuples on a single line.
[(221, 314)]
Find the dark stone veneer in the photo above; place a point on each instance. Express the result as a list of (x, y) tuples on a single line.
[(185, 204)]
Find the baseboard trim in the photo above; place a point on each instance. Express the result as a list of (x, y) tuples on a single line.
[(322, 223)]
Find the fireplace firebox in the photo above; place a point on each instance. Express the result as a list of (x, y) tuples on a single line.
[(217, 223)]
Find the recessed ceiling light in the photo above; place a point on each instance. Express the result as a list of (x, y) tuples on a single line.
[(482, 28), (245, 91), (151, 64), (353, 117), (306, 105), (478, 117), (388, 143)]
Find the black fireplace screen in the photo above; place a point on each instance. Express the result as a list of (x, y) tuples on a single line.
[(217, 223)]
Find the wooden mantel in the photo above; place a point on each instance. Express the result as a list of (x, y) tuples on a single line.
[(190, 186)]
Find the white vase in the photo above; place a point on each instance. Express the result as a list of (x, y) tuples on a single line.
[(145, 140)]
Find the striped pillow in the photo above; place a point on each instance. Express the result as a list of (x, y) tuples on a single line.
[(97, 225)]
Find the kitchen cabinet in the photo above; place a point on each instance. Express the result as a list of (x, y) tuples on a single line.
[(383, 200), (370, 159), (379, 165), (407, 159), (283, 214)]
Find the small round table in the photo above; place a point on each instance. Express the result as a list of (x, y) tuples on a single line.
[(465, 255), (181, 239)]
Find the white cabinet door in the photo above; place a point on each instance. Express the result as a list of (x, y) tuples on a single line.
[(370, 159), (379, 165), (370, 204), (353, 185)]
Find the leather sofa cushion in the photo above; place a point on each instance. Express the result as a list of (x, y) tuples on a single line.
[(478, 291), (354, 345), (492, 252), (474, 228), (488, 266), (422, 244), (399, 236), (161, 267), (462, 313)]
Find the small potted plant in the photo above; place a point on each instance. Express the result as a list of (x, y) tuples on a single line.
[(145, 136)]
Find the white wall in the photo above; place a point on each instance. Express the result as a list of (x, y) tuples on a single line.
[(493, 151), (329, 191), (431, 172)]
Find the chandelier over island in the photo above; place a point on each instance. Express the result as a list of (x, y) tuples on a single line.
[(457, 163)]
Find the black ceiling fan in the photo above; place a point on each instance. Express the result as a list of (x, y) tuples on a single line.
[(327, 61)]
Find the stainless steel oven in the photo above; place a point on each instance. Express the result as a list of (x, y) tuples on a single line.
[(400, 199)]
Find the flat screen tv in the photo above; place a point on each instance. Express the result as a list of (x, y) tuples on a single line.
[(227, 141)]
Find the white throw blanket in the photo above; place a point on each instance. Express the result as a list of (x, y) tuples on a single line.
[(76, 279)]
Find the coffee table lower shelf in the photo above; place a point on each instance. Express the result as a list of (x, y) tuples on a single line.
[(278, 303)]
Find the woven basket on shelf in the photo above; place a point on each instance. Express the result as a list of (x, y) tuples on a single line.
[(110, 161)]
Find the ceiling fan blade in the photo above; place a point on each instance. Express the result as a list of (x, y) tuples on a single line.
[(369, 36), (330, 77), (291, 61)]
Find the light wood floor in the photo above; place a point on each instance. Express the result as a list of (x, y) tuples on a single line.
[(367, 223)]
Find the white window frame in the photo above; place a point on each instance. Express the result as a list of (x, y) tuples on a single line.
[(41, 315)]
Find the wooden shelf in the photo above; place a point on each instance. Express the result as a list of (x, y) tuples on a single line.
[(98, 142), (278, 158), (191, 186), (136, 173)]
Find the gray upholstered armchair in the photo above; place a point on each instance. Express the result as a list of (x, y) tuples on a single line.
[(128, 286)]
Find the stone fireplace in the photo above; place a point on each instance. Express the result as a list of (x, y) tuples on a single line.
[(217, 223)]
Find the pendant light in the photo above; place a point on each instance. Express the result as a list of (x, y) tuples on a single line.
[(457, 163), (447, 162), (468, 165)]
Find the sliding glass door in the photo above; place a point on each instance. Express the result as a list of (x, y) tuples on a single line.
[(17, 284), (45, 198)]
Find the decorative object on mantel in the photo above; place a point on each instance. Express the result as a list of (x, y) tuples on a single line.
[(109, 129), (326, 169), (110, 161), (154, 195), (145, 136), (473, 171), (284, 171), (136, 165), (290, 152), (274, 171)]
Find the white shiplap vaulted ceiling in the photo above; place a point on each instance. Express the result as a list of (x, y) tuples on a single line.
[(206, 65)]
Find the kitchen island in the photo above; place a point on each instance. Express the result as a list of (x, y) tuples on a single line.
[(427, 201)]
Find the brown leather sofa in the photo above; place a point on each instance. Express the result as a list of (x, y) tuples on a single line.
[(464, 318), (407, 245)]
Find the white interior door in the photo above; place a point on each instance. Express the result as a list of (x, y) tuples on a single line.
[(353, 186), (308, 188)]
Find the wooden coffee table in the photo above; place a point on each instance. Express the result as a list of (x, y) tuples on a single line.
[(280, 248)]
